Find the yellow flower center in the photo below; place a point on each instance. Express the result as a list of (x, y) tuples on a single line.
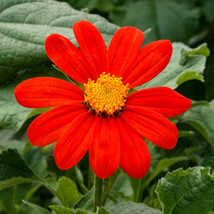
[(106, 95)]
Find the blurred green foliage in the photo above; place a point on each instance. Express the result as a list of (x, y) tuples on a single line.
[(29, 179), (187, 21)]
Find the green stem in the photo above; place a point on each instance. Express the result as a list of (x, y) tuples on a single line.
[(106, 195), (90, 179), (98, 192), (138, 192), (79, 182)]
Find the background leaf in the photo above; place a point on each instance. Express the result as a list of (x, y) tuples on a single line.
[(163, 17), (36, 208), (61, 210), (25, 24), (11, 198), (9, 140), (190, 191), (185, 64), (104, 6), (102, 210), (87, 201), (201, 117), (134, 208), (13, 115), (208, 7), (14, 181), (67, 192), (12, 165)]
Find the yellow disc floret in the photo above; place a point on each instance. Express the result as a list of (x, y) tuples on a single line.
[(106, 95)]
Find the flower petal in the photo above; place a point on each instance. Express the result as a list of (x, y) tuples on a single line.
[(47, 92), (134, 157), (123, 49), (73, 145), (67, 57), (51, 125), (92, 45), (104, 151), (151, 60), (153, 126), (163, 100)]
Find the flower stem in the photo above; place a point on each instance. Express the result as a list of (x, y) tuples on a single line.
[(138, 192), (111, 184), (98, 192)]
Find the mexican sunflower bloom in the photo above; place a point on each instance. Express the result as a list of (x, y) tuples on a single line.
[(104, 118)]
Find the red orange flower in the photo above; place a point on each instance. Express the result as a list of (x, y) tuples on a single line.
[(104, 118)]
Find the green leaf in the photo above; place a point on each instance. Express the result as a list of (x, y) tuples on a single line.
[(14, 181), (104, 6), (40, 168), (168, 19), (61, 210), (51, 183), (201, 117), (25, 24), (200, 103), (200, 50), (163, 164), (64, 210), (87, 201), (134, 208), (208, 160), (11, 198), (37, 111), (14, 170), (79, 211), (13, 115), (12, 144), (122, 185), (187, 191), (36, 208), (13, 165), (185, 64), (67, 192), (72, 173), (102, 210), (186, 134)]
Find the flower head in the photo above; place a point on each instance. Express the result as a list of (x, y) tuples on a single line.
[(104, 118), (106, 95)]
